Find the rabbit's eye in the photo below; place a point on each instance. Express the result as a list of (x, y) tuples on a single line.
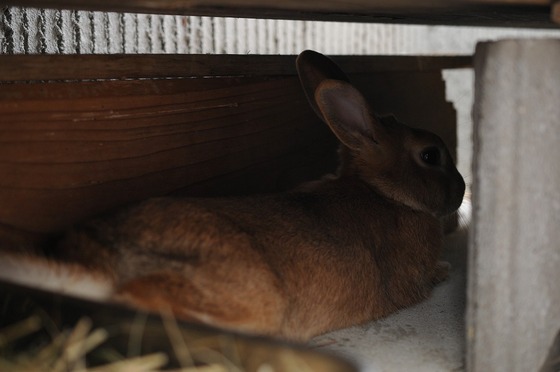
[(431, 156)]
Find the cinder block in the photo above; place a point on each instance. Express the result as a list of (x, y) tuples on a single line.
[(514, 264)]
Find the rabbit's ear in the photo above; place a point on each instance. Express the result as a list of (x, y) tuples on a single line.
[(347, 113), (314, 68)]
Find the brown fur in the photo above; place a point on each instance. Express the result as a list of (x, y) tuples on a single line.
[(349, 248)]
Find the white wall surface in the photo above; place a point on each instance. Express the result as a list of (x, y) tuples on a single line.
[(53, 31)]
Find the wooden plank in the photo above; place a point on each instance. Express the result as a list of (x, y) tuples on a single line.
[(69, 150), (509, 13), (515, 2), (88, 152), (78, 67)]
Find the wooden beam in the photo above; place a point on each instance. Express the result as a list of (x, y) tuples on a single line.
[(509, 13)]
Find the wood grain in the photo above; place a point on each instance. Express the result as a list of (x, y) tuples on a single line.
[(88, 152), (72, 149)]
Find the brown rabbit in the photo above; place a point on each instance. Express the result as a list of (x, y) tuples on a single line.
[(351, 247)]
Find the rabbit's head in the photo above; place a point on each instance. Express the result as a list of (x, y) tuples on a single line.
[(406, 165)]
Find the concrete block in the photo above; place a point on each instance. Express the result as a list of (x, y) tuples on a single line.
[(514, 261)]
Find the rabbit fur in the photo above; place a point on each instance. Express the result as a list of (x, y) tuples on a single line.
[(343, 250)]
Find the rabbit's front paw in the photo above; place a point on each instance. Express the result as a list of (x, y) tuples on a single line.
[(441, 272)]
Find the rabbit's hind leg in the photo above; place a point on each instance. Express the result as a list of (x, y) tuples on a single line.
[(251, 311)]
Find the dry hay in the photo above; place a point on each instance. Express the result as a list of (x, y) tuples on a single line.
[(132, 341)]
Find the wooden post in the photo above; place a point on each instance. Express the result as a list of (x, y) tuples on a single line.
[(514, 265)]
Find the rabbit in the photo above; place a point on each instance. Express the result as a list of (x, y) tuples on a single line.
[(351, 247)]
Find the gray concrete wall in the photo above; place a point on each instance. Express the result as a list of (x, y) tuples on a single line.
[(514, 276)]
